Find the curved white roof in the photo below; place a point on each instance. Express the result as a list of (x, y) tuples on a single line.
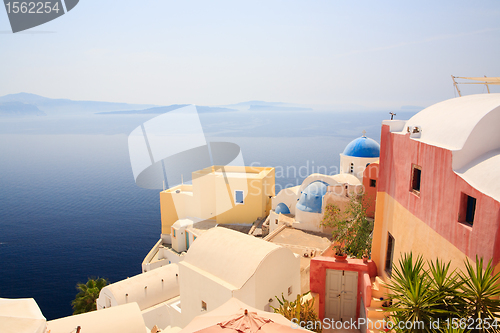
[(229, 255), (449, 124), (342, 178), (21, 315), (147, 289), (469, 127), (125, 318)]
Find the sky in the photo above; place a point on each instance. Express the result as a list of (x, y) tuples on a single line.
[(378, 54)]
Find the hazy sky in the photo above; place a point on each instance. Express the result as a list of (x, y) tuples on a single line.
[(373, 53)]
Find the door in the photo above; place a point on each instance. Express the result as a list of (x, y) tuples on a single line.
[(341, 295), (349, 297), (333, 291), (187, 240)]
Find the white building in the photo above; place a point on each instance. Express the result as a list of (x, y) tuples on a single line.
[(224, 263), (221, 264), (185, 231)]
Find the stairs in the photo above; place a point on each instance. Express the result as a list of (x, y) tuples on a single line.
[(376, 313)]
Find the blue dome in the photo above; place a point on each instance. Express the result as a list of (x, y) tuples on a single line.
[(281, 208), (362, 147), (311, 198)]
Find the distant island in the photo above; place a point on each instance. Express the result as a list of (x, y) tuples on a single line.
[(18, 109), (51, 106), (164, 109), (27, 105), (277, 108)]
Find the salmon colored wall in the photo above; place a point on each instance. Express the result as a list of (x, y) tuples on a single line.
[(438, 204), (318, 268), (410, 235), (371, 172)]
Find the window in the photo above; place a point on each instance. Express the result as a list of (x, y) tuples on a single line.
[(174, 232), (467, 209), (415, 179), (276, 221), (203, 306), (289, 290), (471, 209), (352, 168), (238, 197), (373, 183), (389, 254)]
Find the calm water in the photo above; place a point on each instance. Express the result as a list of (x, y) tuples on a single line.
[(69, 207)]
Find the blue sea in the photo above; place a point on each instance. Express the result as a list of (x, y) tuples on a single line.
[(70, 209)]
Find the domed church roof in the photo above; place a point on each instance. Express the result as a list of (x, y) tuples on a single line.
[(281, 208), (311, 199), (362, 147)]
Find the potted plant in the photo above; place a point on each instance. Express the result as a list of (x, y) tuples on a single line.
[(365, 257), (340, 254)]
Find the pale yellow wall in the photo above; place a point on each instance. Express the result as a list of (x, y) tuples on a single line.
[(203, 194), (410, 234), (174, 206), (212, 196), (168, 212), (269, 191), (249, 211)]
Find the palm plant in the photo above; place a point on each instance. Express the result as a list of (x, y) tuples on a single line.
[(413, 298), (457, 301), (446, 284), (85, 300), (480, 291)]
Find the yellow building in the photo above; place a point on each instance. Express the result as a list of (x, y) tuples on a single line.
[(221, 194), (224, 194)]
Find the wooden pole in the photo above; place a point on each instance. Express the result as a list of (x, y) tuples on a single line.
[(456, 86), (487, 86)]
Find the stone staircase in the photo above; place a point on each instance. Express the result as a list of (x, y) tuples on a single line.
[(376, 313)]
